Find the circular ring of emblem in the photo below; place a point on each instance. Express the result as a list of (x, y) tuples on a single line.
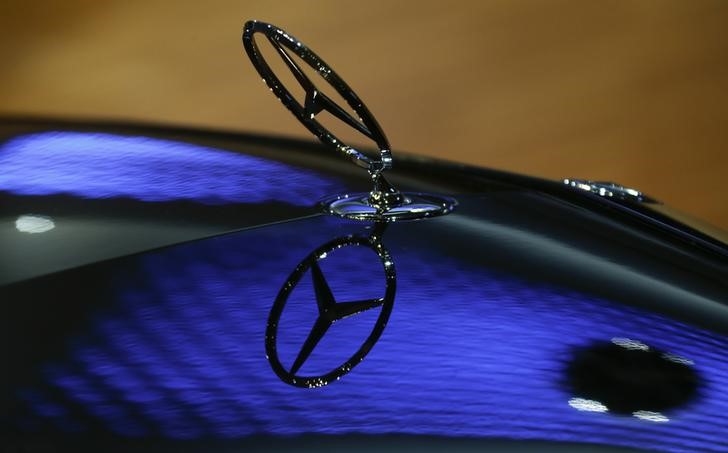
[(316, 101), (329, 311)]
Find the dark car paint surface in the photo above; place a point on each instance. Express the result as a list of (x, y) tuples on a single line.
[(533, 313)]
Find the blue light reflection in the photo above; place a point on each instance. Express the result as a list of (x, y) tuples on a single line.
[(99, 165), (467, 352)]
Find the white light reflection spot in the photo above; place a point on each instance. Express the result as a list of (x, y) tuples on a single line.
[(34, 224), (633, 345), (582, 186), (322, 256), (651, 416), (677, 359), (582, 404)]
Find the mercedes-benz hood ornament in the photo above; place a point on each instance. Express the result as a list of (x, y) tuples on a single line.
[(384, 202)]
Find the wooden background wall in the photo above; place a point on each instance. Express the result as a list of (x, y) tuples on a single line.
[(630, 91)]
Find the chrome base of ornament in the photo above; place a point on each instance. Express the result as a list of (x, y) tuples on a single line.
[(414, 206)]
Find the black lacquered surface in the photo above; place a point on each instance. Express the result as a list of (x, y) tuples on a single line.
[(494, 305), (171, 345)]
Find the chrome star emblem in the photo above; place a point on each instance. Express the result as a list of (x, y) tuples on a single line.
[(316, 101), (329, 311), (384, 203)]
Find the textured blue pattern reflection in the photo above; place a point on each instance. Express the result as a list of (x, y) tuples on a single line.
[(466, 353), (96, 165)]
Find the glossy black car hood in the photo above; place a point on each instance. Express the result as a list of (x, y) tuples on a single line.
[(108, 190), (530, 313)]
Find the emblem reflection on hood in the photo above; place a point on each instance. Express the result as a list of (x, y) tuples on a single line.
[(384, 202), (330, 310)]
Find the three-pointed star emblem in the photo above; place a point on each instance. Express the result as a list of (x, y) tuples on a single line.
[(329, 311), (315, 102)]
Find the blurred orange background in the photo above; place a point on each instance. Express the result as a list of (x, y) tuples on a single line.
[(634, 92)]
